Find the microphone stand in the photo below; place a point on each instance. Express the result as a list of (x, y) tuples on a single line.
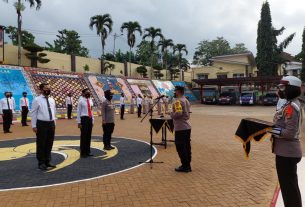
[(150, 111)]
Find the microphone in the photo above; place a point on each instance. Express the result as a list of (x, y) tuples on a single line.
[(162, 96)]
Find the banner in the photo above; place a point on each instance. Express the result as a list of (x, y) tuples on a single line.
[(165, 87), (143, 87), (188, 93)]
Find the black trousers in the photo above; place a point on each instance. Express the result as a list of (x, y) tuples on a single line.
[(44, 142), (183, 147), (69, 111), (139, 110), (7, 119), (85, 135), (24, 115), (108, 130), (286, 168), (122, 111)]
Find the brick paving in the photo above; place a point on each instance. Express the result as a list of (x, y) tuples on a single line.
[(221, 175)]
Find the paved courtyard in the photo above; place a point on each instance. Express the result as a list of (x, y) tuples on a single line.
[(221, 175)]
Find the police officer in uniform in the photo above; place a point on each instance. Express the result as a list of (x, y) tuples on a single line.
[(24, 108), (108, 109), (182, 127), (6, 106), (286, 140), (85, 120), (69, 105), (43, 124), (122, 105)]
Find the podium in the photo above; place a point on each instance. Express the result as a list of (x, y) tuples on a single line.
[(162, 124)]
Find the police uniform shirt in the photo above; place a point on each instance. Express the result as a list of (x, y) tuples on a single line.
[(69, 101), (82, 109), (40, 110), (5, 104), (24, 102)]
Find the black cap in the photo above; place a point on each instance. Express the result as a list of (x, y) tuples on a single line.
[(108, 92), (179, 88)]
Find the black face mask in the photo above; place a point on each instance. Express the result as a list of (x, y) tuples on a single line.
[(24, 95), (46, 92), (175, 95), (7, 96), (282, 94), (87, 95)]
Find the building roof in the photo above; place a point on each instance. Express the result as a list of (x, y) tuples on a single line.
[(228, 58)]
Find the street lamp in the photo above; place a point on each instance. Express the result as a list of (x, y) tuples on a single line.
[(115, 35)]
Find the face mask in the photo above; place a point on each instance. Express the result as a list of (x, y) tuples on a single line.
[(24, 95), (175, 95), (87, 95), (7, 96), (46, 92), (282, 94)]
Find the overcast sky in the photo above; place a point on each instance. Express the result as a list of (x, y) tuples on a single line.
[(185, 21)]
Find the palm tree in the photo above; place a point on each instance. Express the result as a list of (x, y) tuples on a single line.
[(152, 33), (164, 44), (20, 8), (103, 25), (108, 66), (132, 28), (180, 48)]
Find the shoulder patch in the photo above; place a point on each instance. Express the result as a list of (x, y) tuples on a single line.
[(288, 111), (177, 106)]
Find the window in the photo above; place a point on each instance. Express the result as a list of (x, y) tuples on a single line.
[(202, 76), (222, 76), (238, 75)]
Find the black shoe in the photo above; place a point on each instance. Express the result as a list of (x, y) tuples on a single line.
[(50, 165), (112, 147), (183, 169), (108, 148), (89, 155), (42, 167)]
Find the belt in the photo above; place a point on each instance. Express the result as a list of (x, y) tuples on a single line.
[(45, 121)]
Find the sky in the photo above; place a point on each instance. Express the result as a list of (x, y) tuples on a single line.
[(185, 21)]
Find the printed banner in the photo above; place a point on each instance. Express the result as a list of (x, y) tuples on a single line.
[(187, 92), (165, 87), (143, 87)]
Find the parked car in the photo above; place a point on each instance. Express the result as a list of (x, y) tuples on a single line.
[(270, 98), (228, 97), (248, 97), (210, 96)]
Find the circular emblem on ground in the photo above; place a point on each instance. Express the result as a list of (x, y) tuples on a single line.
[(19, 168)]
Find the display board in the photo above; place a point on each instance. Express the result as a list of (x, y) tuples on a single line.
[(13, 80), (61, 83), (165, 87), (187, 92), (143, 87), (117, 85)]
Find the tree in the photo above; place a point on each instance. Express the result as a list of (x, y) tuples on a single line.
[(180, 48), (152, 33), (19, 6), (108, 67), (132, 28), (109, 56), (268, 55), (302, 57), (143, 54), (157, 71), (164, 44), (27, 38), (220, 46), (35, 54), (86, 68), (68, 42), (103, 25), (142, 71)]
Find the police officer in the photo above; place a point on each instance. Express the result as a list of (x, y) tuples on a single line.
[(85, 120), (108, 110), (24, 108), (139, 105), (286, 142), (6, 106), (69, 105), (43, 124), (182, 127), (122, 105)]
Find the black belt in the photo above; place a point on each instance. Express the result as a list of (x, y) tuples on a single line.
[(47, 122)]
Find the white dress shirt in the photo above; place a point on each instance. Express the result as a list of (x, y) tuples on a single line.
[(122, 100), (82, 109), (4, 105), (40, 110), (69, 100), (14, 103), (24, 102), (139, 101)]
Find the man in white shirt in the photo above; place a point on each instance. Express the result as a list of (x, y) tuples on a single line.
[(24, 108), (69, 105), (132, 104), (13, 106), (43, 124), (85, 121), (6, 112), (122, 105), (139, 105)]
